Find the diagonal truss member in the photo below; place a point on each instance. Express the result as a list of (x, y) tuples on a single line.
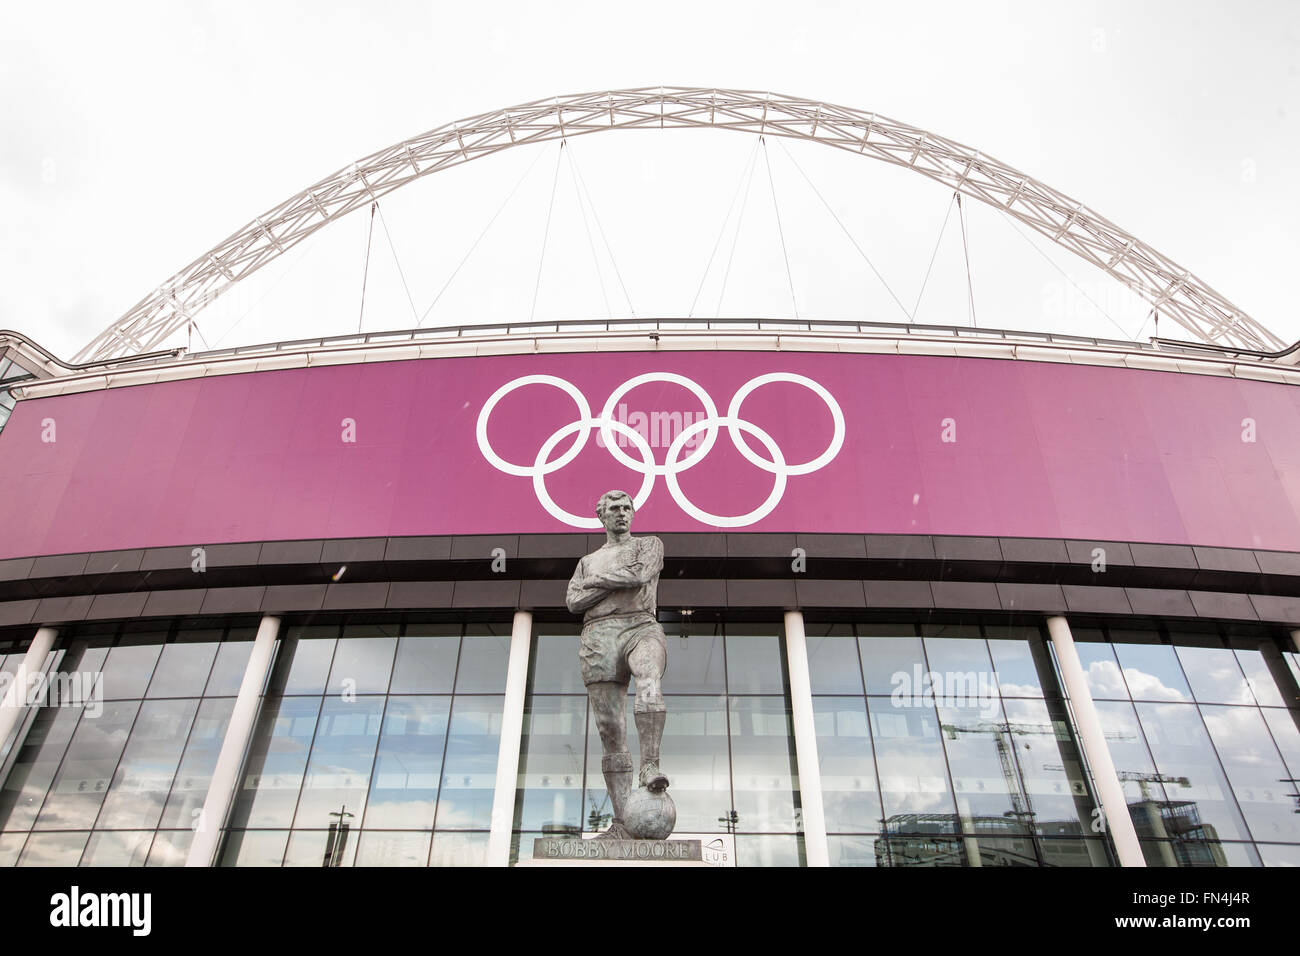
[(1172, 290)]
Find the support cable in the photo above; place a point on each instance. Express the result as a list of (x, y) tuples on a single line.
[(934, 255), (474, 245), (970, 286), (307, 247), (735, 240), (779, 231), (546, 233), (723, 228), (844, 228), (1066, 276), (591, 243), (609, 249), (398, 263), (365, 271)]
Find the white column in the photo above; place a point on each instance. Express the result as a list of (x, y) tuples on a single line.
[(14, 702), (816, 847), (512, 728), (225, 776), (1295, 640), (1109, 789)]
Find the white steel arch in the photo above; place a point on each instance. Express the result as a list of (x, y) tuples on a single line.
[(1172, 290)]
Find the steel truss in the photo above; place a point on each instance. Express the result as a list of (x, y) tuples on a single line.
[(1172, 290)]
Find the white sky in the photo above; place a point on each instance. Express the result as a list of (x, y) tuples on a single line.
[(135, 136)]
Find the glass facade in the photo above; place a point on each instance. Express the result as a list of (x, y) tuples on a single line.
[(376, 742), (728, 742), (1202, 739)]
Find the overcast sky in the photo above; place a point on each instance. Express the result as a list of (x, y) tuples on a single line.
[(135, 136)]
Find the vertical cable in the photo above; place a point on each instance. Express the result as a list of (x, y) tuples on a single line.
[(779, 231), (546, 232), (365, 271), (970, 288)]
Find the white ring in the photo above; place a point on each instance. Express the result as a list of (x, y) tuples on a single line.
[(523, 471), (539, 476), (739, 521), (837, 416), (607, 417)]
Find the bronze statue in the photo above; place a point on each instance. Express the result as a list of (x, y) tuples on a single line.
[(621, 638)]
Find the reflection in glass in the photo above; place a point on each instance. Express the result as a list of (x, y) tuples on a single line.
[(426, 659), (404, 790), (380, 848), (277, 757), (1013, 661), (1100, 669), (553, 662), (117, 848), (1258, 677), (848, 770), (170, 848), (833, 664), (1201, 812), (34, 766), (852, 850), (909, 758), (362, 664), (342, 755), (891, 662), (83, 779), (1282, 724), (783, 850), (130, 665), (1151, 671), (184, 665), (459, 849), (308, 847), (232, 660), (53, 849), (469, 773), (302, 664), (981, 756), (483, 659), (190, 786), (1255, 770), (254, 848), (762, 764), (1215, 675), (754, 661), (144, 777), (549, 796), (695, 664)]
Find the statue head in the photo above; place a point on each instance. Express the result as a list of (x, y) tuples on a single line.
[(615, 511)]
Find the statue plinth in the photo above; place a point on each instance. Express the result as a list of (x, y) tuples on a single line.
[(556, 849)]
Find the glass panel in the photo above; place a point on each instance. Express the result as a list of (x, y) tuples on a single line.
[(1166, 853), (342, 756), (754, 661), (185, 664), (1279, 855), (11, 845), (469, 772), (981, 756), (190, 787), (276, 760), (1256, 771), (1215, 675), (852, 850), (1202, 809), (1013, 661), (1078, 852), (549, 798), (695, 665), (891, 663), (769, 850), (762, 764), (1282, 724), (130, 665), (170, 848), (404, 789), (35, 765), (833, 664), (308, 847), (1259, 678), (53, 849), (255, 848), (82, 781), (554, 664), (378, 848), (1151, 671), (483, 659), (117, 848), (1053, 780), (303, 663), (144, 777), (459, 849), (913, 776), (1100, 669), (232, 661), (426, 660), (362, 665), (848, 769)]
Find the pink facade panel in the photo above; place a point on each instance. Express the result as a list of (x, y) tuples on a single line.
[(834, 443)]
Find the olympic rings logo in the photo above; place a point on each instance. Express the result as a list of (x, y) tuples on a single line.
[(582, 428)]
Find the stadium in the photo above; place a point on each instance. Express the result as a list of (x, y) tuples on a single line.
[(935, 595)]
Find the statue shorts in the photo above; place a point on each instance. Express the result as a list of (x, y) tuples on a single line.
[(608, 643)]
